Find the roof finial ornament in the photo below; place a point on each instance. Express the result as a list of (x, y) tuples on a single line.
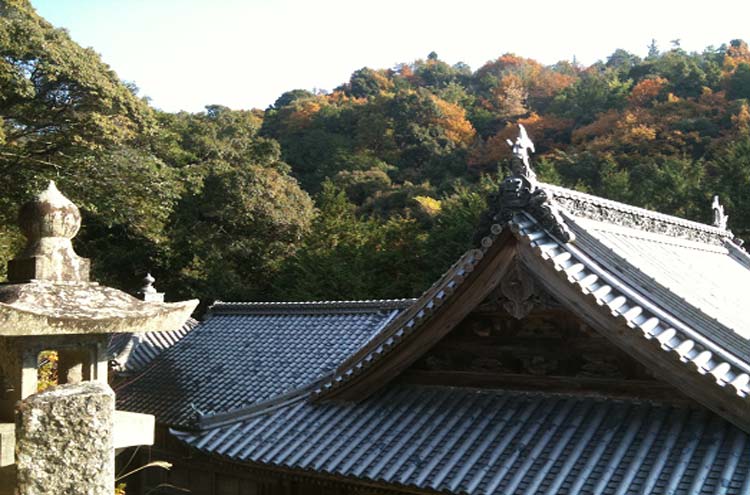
[(720, 219), (521, 147), (148, 292)]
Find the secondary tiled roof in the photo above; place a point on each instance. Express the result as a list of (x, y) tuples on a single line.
[(471, 441), (132, 352), (246, 354)]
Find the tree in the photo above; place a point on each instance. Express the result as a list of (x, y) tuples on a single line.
[(347, 255), (241, 214), (58, 99), (739, 82), (594, 93), (366, 82), (65, 115)]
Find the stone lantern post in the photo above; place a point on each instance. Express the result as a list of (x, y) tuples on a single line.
[(49, 304)]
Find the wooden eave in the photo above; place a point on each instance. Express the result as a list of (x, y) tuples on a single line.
[(355, 379)]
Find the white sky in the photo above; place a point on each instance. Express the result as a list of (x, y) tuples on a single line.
[(185, 54)]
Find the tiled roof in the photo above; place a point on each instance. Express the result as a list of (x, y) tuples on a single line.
[(132, 352), (242, 355), (611, 287), (454, 440), (650, 287)]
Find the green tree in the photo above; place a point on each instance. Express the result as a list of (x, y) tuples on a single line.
[(65, 115), (739, 82), (347, 255), (241, 213), (595, 92)]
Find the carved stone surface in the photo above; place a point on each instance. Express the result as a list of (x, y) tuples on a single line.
[(720, 219), (635, 218), (64, 441), (49, 222), (518, 295), (521, 147)]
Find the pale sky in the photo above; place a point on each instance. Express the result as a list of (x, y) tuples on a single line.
[(185, 54)]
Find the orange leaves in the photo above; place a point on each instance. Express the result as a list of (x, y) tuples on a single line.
[(519, 79), (601, 126), (452, 118), (737, 53), (302, 114), (646, 91), (545, 131), (634, 128), (510, 96), (548, 83)]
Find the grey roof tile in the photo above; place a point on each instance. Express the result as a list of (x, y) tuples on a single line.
[(132, 352), (458, 440), (680, 327), (243, 355)]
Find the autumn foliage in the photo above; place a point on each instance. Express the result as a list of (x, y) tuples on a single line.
[(369, 190)]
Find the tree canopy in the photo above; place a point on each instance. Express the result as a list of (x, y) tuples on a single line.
[(371, 190)]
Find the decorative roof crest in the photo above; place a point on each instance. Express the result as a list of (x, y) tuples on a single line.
[(520, 166), (720, 219), (519, 192)]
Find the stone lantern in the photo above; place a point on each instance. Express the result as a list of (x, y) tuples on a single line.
[(49, 304)]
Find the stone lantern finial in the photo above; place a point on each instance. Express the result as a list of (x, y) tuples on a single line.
[(148, 292), (49, 222)]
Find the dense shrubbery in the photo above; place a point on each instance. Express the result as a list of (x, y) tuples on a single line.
[(369, 191)]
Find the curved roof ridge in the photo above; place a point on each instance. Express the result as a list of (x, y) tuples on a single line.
[(632, 216), (295, 306)]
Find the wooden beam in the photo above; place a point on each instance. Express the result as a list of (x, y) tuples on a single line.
[(485, 277), (583, 385)]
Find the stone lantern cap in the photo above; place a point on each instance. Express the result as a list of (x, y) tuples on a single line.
[(50, 292)]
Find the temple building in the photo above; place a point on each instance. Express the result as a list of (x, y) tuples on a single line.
[(584, 346)]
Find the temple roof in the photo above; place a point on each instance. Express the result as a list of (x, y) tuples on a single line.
[(323, 398), (664, 289), (245, 354), (457, 440), (130, 353)]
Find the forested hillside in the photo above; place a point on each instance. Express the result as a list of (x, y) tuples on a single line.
[(370, 190)]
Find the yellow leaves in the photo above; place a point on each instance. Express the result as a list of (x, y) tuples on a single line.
[(634, 127), (641, 132), (452, 118), (741, 121), (382, 80), (47, 370), (430, 206), (303, 113)]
